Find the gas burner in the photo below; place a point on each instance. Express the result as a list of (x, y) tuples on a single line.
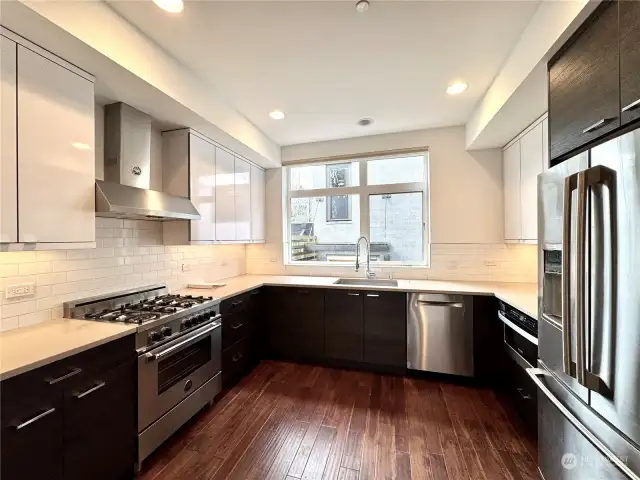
[(141, 318), (188, 304)]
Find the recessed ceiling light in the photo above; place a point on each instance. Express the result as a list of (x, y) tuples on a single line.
[(365, 122), (362, 6), (277, 114), (172, 6), (456, 88)]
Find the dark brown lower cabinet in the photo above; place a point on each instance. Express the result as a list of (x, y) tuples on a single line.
[(344, 325), (385, 329), (73, 419)]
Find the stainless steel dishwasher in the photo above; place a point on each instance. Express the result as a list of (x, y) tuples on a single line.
[(440, 333)]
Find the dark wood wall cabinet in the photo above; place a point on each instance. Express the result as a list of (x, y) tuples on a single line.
[(629, 15), (72, 419), (584, 84)]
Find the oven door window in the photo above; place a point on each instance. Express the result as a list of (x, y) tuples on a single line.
[(183, 363)]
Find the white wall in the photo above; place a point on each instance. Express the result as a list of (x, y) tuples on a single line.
[(466, 187), (466, 211)]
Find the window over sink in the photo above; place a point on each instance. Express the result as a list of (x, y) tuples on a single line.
[(384, 198)]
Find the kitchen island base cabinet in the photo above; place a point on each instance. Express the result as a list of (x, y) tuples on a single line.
[(73, 419)]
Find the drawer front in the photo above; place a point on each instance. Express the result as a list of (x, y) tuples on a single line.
[(235, 326), (235, 304), (524, 394), (236, 362), (100, 426)]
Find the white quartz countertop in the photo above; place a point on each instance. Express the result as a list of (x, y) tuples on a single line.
[(523, 296), (31, 347)]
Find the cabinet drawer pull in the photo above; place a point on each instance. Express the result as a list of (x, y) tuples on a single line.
[(235, 304), (53, 381), (373, 295), (26, 423), (525, 396), (353, 294), (91, 390), (595, 126), (236, 326), (237, 357), (256, 292), (632, 105), (303, 292)]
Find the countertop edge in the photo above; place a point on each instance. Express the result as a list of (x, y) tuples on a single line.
[(5, 375)]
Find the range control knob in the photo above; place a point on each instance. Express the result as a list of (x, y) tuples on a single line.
[(166, 331), (155, 337), (186, 323)]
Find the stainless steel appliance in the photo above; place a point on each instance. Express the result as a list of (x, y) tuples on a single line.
[(589, 309), (125, 191), (178, 342), (440, 333), (520, 335)]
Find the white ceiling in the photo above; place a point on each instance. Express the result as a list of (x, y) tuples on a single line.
[(327, 66)]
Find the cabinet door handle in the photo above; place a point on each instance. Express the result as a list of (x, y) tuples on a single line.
[(595, 126), (91, 390), (257, 292), (303, 292), (353, 294), (53, 381), (26, 423), (373, 295), (235, 304), (632, 105), (237, 357), (525, 396), (236, 326)]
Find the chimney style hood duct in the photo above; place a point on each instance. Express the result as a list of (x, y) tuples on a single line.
[(125, 191)]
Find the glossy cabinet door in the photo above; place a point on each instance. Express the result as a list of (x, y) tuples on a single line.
[(511, 178), (202, 159), (8, 143), (584, 93), (56, 174), (242, 198), (629, 60), (531, 165), (225, 202), (385, 329), (258, 204)]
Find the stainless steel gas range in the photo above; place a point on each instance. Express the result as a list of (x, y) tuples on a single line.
[(178, 342)]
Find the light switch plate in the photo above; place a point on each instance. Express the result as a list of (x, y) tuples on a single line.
[(20, 290)]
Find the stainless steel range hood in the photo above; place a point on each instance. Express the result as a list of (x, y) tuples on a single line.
[(125, 191)]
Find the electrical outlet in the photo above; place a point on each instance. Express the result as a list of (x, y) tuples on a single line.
[(186, 267), (21, 290), (490, 263)]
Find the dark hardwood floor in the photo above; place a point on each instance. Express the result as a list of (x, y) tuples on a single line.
[(289, 421)]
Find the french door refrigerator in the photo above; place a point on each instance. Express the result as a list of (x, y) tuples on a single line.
[(588, 373)]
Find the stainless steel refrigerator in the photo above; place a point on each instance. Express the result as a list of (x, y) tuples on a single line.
[(588, 373)]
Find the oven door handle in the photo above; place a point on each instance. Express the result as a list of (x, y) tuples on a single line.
[(517, 329), (191, 338)]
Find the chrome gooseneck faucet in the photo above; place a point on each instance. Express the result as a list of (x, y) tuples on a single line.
[(369, 273)]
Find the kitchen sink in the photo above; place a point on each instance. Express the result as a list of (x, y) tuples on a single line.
[(364, 282)]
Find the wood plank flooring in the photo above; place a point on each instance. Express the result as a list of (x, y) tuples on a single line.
[(293, 422)]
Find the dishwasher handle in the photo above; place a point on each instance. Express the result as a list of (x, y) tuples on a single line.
[(433, 303)]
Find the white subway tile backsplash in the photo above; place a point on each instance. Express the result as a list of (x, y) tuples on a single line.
[(129, 253)]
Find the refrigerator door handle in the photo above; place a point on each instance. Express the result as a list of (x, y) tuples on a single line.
[(535, 374), (580, 278), (570, 184), (595, 176)]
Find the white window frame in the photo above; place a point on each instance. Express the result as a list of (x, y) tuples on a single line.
[(363, 191)]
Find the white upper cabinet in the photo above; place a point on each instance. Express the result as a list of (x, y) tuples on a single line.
[(8, 140), (56, 158), (511, 174), (242, 197), (202, 188), (531, 165), (524, 159), (225, 193), (258, 202)]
